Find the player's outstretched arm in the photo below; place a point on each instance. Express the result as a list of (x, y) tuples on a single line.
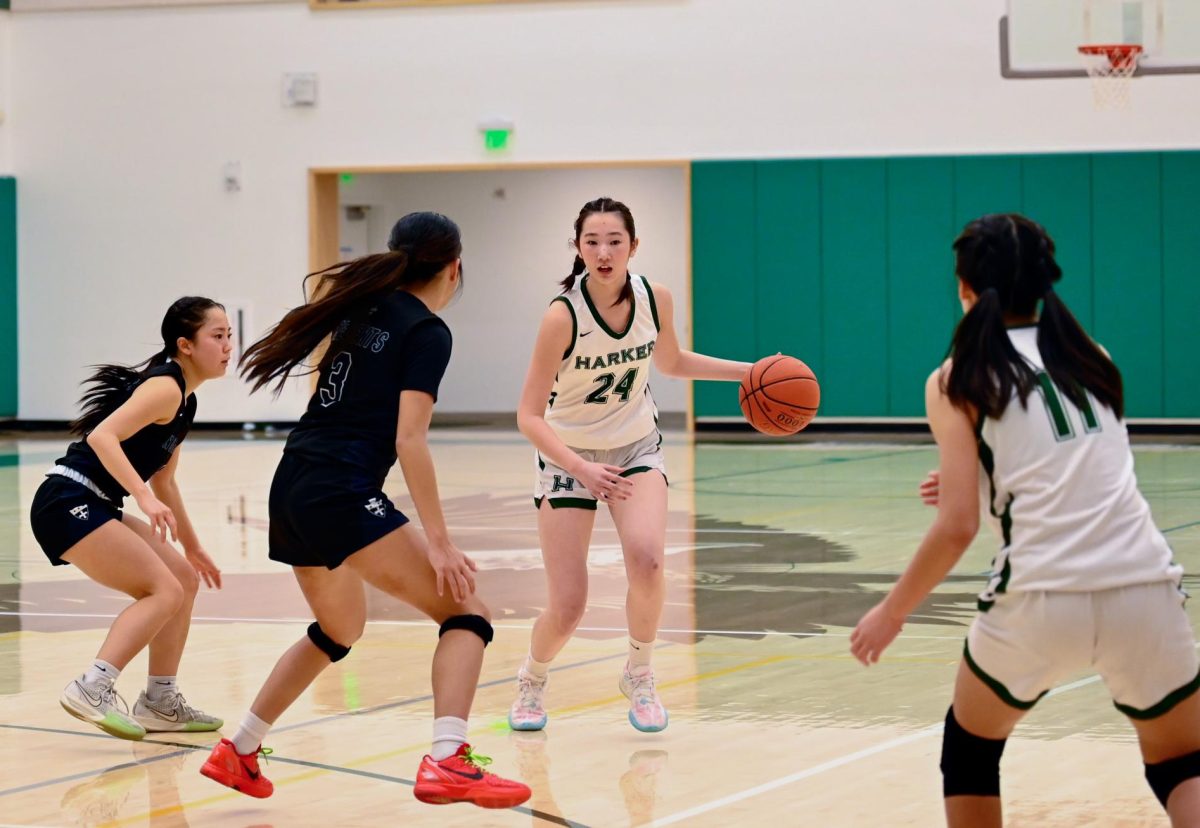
[(953, 528), (673, 361)]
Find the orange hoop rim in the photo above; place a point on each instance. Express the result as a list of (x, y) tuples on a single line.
[(1118, 54)]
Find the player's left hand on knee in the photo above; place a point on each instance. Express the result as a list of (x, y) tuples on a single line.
[(452, 567)]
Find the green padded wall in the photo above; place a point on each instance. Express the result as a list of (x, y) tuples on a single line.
[(8, 297), (846, 264)]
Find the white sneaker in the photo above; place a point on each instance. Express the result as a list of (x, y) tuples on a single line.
[(171, 712), (646, 712), (101, 705), (528, 712)]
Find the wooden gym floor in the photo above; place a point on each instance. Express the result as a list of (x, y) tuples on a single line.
[(774, 551)]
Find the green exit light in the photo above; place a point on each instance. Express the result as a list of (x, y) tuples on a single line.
[(496, 140), (347, 177)]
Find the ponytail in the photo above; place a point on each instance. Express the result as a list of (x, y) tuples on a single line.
[(1075, 362), (576, 269), (420, 246), (985, 366), (1009, 262), (112, 385)]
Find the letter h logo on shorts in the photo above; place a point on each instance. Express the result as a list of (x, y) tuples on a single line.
[(80, 512), (376, 507), (560, 484)]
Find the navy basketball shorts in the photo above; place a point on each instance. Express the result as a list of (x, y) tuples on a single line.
[(320, 515), (65, 512)]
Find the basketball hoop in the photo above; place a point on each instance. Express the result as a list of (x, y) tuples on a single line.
[(1111, 67)]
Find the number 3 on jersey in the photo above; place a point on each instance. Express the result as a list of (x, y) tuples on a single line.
[(1060, 418), (335, 380)]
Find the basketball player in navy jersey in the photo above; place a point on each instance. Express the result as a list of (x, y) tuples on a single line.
[(331, 520), (1028, 418), (132, 424)]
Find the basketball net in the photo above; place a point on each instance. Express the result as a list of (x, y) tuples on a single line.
[(1111, 69)]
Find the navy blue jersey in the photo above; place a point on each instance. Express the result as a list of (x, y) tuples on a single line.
[(148, 450), (398, 345)]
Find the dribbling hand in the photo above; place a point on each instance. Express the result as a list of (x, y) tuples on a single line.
[(159, 515), (605, 481), (452, 567)]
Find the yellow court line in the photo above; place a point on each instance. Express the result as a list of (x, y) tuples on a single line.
[(378, 757), (420, 745), (198, 803), (737, 668)]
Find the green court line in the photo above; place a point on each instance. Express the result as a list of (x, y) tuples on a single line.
[(1182, 526)]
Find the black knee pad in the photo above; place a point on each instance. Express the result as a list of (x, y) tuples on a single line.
[(325, 644), (475, 623), (970, 764), (1165, 777)]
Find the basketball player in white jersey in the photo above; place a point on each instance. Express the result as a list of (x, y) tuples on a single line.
[(597, 440), (1027, 414)]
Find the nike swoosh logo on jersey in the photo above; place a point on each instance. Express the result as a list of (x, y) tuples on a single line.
[(586, 333)]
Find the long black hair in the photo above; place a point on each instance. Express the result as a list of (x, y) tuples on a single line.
[(420, 246), (604, 204), (1008, 261), (111, 385)]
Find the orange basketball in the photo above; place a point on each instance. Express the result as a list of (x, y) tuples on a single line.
[(779, 395)]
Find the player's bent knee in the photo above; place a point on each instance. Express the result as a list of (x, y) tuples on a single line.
[(171, 593), (970, 764), (325, 644), (189, 580), (1164, 777), (472, 623)]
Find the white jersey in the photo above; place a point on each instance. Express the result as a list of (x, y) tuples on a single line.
[(601, 397), (1059, 485)]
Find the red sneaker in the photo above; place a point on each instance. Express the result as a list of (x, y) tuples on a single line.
[(461, 778), (233, 770)]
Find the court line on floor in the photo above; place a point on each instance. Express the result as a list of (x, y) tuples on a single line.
[(431, 625), (1182, 526), (558, 711), (832, 764), (429, 696), (190, 748), (149, 760)]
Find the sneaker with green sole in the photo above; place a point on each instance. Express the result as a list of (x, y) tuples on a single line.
[(100, 704)]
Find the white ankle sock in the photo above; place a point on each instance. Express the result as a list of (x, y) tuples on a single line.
[(250, 734), (448, 733), (157, 685), (640, 652), (535, 668), (101, 672)]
